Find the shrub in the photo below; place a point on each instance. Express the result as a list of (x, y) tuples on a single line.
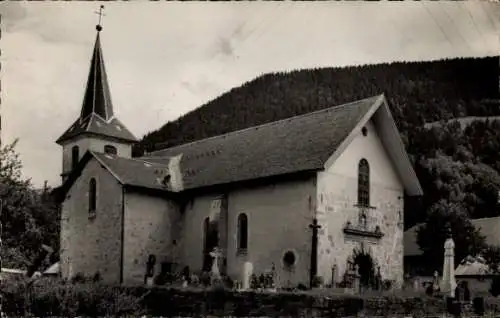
[(228, 282), (386, 284), (78, 278), (52, 297), (205, 279), (317, 281)]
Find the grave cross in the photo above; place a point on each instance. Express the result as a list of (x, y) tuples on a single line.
[(216, 253)]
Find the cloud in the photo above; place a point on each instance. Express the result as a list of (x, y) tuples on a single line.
[(12, 14), (170, 57)]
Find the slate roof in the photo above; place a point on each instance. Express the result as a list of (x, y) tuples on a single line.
[(489, 227), (97, 126), (96, 116), (135, 172), (291, 145)]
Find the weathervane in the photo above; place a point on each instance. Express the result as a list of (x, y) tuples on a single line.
[(101, 14)]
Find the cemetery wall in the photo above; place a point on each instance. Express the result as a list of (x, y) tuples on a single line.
[(337, 199), (90, 245), (91, 300), (150, 228)]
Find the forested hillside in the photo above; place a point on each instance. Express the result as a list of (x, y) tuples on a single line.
[(458, 169), (418, 92)]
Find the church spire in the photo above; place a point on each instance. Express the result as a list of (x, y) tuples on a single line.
[(96, 115), (97, 98)]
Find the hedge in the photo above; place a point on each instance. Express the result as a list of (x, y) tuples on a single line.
[(48, 297)]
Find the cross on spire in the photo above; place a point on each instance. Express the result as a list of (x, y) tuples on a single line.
[(101, 14)]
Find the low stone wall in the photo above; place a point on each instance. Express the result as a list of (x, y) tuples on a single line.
[(70, 300)]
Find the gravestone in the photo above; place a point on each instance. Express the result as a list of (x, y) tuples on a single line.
[(435, 282), (334, 277), (246, 275), (150, 270), (416, 284)]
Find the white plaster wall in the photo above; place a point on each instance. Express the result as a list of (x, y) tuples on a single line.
[(191, 244), (278, 220), (92, 245), (149, 228), (336, 197), (94, 144)]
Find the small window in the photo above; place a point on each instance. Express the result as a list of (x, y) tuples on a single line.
[(364, 130), (242, 232), (363, 183), (110, 150), (75, 156), (92, 198)]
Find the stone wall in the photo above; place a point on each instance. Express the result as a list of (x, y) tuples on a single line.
[(92, 245), (150, 227), (94, 144), (336, 205)]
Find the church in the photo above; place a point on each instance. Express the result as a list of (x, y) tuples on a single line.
[(312, 195)]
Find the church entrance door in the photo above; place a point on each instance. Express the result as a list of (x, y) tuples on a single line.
[(366, 269)]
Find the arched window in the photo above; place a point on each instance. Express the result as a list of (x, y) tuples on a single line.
[(75, 156), (92, 197), (363, 183), (110, 149), (242, 231)]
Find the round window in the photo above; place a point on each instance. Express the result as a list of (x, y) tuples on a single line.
[(289, 259)]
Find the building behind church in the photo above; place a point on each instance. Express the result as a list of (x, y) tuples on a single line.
[(312, 195)]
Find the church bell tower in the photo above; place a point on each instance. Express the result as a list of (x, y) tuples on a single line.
[(97, 128)]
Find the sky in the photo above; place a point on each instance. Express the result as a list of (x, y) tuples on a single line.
[(164, 59)]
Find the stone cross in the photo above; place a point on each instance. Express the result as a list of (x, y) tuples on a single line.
[(216, 254)]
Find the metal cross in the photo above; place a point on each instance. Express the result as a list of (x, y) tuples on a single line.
[(100, 13)]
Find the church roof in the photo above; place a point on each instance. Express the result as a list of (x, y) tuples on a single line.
[(300, 143), (95, 125), (96, 116), (135, 172), (128, 171)]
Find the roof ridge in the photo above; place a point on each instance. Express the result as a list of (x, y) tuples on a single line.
[(324, 110), (131, 158)]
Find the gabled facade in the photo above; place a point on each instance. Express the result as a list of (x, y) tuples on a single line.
[(311, 195)]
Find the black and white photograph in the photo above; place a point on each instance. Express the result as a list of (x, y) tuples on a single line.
[(250, 159)]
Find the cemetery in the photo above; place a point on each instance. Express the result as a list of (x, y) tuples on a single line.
[(185, 294)]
